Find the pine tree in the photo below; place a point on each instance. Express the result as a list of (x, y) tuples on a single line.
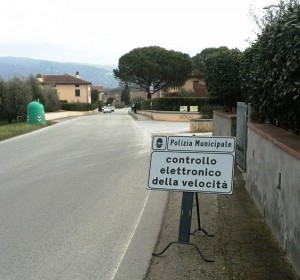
[(125, 95)]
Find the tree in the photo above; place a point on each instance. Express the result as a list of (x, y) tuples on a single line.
[(125, 95), (110, 100), (18, 95), (198, 61), (221, 69), (271, 69), (154, 68), (46, 95), (36, 90), (52, 103), (2, 99), (94, 95), (137, 101)]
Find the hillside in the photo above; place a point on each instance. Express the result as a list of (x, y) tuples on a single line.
[(23, 67)]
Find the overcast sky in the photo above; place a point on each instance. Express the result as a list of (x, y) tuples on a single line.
[(101, 31)]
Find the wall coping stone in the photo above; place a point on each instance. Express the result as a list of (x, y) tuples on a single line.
[(170, 115), (281, 138), (201, 120), (225, 114), (170, 112)]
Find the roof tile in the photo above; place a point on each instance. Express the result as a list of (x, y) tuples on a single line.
[(63, 79)]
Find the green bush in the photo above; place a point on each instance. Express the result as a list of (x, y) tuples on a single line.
[(271, 71), (222, 76), (206, 111), (221, 70)]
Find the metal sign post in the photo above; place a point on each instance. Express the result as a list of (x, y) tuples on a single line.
[(185, 218), (185, 226), (198, 220)]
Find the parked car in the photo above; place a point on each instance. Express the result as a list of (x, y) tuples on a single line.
[(106, 109)]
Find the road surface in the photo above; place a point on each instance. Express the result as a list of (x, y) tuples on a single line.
[(74, 203)]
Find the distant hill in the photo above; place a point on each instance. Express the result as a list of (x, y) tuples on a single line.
[(23, 67)]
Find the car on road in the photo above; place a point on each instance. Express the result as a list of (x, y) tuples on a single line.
[(106, 109)]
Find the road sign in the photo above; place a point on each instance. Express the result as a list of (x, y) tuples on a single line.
[(192, 164)]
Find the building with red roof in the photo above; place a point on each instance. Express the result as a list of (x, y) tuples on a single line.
[(69, 88)]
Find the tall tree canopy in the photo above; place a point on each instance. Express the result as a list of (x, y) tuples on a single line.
[(221, 69), (271, 68), (154, 68), (199, 59)]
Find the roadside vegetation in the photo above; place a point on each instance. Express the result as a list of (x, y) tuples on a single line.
[(271, 68), (17, 93), (10, 130)]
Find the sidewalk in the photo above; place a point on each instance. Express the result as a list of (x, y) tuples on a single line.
[(242, 248)]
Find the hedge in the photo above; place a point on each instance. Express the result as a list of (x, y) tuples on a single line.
[(79, 106), (174, 103)]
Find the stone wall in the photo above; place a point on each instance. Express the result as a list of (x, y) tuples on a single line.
[(273, 180), (224, 124), (201, 125)]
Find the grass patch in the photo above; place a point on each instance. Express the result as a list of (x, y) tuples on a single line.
[(14, 129)]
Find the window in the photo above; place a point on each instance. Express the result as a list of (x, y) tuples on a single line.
[(76, 85), (77, 92)]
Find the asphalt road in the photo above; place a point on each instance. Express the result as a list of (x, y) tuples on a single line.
[(74, 203)]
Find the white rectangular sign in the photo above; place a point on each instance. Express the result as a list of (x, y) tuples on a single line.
[(204, 164), (194, 144)]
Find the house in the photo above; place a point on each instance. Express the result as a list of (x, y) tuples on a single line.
[(69, 88), (196, 84)]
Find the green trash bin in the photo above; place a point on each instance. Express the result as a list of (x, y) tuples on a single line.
[(36, 113)]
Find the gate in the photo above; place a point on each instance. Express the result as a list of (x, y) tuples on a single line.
[(241, 134)]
